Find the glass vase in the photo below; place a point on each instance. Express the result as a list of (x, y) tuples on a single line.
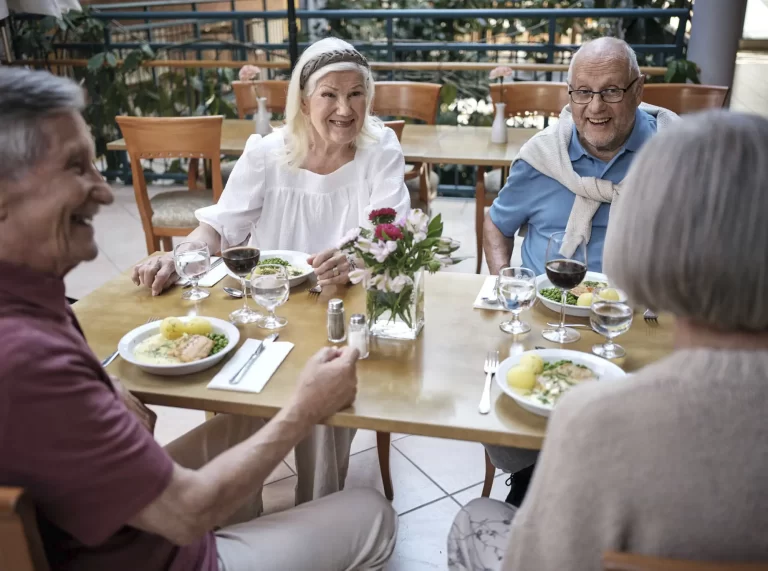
[(393, 315)]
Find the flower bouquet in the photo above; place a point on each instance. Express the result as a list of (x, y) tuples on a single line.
[(391, 259)]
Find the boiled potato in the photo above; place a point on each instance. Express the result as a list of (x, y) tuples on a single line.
[(533, 362), (585, 299), (609, 294), (198, 326), (521, 378), (172, 328)]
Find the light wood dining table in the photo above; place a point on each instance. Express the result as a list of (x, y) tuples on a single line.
[(436, 144), (430, 386)]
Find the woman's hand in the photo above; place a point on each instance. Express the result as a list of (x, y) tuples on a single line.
[(331, 267), (157, 273)]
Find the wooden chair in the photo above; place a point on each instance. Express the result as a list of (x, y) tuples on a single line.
[(525, 97), (685, 98), (397, 127), (172, 213), (21, 548), (275, 90), (630, 562), (412, 100)]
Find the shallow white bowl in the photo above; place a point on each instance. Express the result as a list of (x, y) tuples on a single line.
[(542, 282), (296, 259), (133, 338), (605, 371)]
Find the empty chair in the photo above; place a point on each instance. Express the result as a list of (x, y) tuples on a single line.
[(684, 97), (412, 100), (21, 548), (172, 213)]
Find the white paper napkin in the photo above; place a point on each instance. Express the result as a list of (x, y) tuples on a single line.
[(487, 291), (260, 372)]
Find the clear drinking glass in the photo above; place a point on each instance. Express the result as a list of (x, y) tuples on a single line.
[(270, 288), (610, 316), (192, 260), (566, 265), (241, 260), (516, 290)]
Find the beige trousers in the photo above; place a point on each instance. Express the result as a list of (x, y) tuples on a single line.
[(355, 529), (479, 535)]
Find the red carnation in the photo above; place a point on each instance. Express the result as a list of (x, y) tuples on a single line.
[(382, 216), (388, 232)]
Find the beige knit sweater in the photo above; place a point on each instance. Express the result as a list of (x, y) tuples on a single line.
[(673, 461)]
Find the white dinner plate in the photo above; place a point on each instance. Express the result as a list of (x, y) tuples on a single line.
[(296, 259), (542, 282), (133, 338), (603, 369)]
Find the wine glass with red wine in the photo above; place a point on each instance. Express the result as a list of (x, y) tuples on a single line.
[(565, 269), (241, 260)]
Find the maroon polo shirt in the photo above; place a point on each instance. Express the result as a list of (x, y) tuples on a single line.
[(65, 437)]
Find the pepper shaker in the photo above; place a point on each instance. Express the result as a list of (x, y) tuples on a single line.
[(358, 334), (336, 326)]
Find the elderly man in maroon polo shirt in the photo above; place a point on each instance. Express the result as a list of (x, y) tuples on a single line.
[(108, 497)]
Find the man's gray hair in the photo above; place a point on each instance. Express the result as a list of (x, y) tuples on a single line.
[(27, 97), (608, 45), (688, 233)]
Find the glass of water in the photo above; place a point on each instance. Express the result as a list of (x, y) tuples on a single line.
[(610, 316), (270, 288), (516, 291), (192, 260)]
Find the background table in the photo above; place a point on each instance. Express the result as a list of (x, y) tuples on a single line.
[(430, 386)]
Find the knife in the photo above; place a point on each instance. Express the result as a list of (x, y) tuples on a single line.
[(252, 359)]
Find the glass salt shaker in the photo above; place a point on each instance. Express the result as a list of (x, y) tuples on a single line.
[(358, 334), (336, 326)]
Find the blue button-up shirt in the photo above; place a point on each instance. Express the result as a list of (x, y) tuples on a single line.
[(545, 204)]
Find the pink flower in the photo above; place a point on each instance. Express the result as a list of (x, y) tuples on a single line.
[(388, 232), (249, 73), (382, 216), (500, 71)]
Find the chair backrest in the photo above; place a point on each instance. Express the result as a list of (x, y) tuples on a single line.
[(170, 137), (275, 90), (21, 548), (543, 97), (397, 127), (685, 98), (631, 562), (409, 99)]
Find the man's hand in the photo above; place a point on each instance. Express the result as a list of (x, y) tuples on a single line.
[(146, 416), (328, 383), (331, 267), (157, 273)]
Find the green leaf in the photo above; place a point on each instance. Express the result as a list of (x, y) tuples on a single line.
[(132, 61), (147, 51), (96, 61), (111, 59)]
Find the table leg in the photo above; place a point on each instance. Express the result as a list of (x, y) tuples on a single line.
[(479, 214), (383, 447)]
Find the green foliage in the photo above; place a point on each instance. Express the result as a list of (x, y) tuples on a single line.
[(681, 71)]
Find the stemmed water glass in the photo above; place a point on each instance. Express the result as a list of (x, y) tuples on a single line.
[(566, 265), (516, 290), (192, 260), (610, 316), (270, 288)]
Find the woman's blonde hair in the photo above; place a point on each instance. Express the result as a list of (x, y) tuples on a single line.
[(688, 234), (297, 128)]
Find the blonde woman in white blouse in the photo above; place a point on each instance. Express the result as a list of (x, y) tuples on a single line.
[(303, 187)]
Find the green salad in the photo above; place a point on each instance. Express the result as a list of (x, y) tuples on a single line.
[(571, 296), (293, 272)]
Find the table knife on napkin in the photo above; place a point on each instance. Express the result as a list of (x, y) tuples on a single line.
[(252, 359)]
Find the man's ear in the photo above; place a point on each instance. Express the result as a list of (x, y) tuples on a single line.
[(640, 88)]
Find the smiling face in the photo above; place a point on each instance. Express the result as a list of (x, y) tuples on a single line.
[(336, 107), (45, 217), (604, 127)]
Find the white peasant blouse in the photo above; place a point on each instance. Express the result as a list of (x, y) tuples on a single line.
[(295, 209)]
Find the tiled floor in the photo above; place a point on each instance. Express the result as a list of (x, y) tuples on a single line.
[(432, 478)]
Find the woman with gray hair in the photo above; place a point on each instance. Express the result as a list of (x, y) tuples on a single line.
[(672, 461), (303, 187)]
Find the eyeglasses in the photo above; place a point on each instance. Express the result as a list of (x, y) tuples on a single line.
[(612, 95)]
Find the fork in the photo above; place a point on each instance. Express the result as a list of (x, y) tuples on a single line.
[(651, 318), (316, 290), (491, 365), (105, 363)]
